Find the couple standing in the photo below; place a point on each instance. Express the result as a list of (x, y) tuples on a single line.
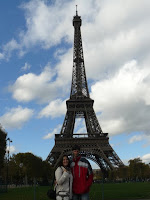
[(73, 180)]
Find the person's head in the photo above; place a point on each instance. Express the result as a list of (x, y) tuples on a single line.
[(65, 162), (75, 151)]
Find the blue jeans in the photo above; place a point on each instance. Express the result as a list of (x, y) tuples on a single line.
[(81, 196)]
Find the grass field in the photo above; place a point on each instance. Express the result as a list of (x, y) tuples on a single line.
[(116, 191)]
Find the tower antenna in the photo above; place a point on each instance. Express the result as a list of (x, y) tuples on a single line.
[(76, 10)]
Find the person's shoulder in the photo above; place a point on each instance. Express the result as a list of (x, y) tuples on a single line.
[(84, 160), (72, 164), (59, 168)]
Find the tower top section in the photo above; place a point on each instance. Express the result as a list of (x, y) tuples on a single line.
[(79, 87), (77, 19)]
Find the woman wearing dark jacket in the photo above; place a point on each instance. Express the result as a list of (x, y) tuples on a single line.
[(64, 180)]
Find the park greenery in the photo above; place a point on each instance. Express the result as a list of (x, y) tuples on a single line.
[(135, 171), (24, 168), (109, 191)]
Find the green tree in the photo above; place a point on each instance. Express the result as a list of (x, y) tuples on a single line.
[(28, 165), (47, 173), (3, 135), (24, 167), (123, 172), (146, 171), (137, 169)]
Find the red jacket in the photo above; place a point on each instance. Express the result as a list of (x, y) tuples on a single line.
[(82, 175)]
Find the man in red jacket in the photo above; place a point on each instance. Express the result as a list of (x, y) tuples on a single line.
[(82, 175)]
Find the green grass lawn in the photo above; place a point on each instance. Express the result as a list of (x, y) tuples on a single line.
[(117, 191), (121, 191)]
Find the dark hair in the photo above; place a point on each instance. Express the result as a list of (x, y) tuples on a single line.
[(61, 162), (75, 147)]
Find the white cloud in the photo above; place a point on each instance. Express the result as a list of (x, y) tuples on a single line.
[(48, 85), (125, 161), (26, 67), (39, 30), (146, 158), (1, 56), (144, 138), (12, 149), (54, 109), (135, 138), (55, 131), (113, 32), (123, 100), (9, 48), (35, 87), (16, 117), (46, 26), (38, 15), (110, 41)]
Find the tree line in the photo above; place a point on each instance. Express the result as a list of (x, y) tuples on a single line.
[(135, 171), (24, 168)]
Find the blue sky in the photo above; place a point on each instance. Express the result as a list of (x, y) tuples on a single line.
[(36, 51)]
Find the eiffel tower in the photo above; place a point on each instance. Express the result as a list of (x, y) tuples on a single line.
[(94, 144)]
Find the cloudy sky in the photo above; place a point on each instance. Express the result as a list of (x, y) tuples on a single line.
[(36, 51)]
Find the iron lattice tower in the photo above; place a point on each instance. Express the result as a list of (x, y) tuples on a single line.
[(94, 144)]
